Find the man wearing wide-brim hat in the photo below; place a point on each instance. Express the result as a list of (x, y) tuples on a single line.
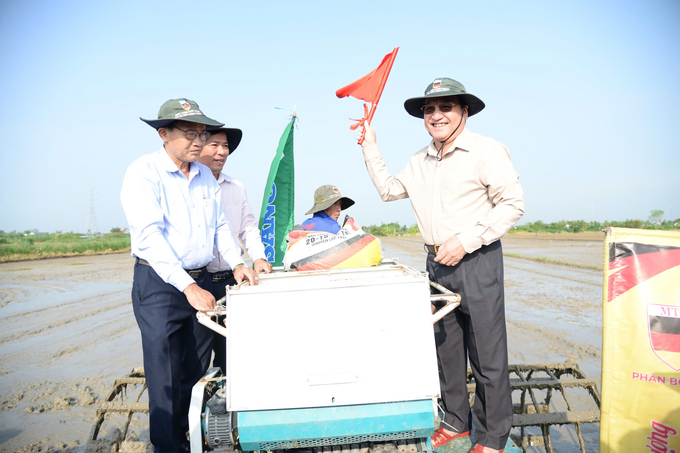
[(172, 205), (221, 144), (328, 202), (466, 195)]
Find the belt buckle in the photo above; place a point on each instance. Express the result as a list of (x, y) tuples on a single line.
[(195, 273), (222, 276), (431, 247)]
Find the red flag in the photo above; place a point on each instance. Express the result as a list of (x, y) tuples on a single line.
[(369, 88)]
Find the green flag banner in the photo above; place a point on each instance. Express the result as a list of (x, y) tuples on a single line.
[(278, 204)]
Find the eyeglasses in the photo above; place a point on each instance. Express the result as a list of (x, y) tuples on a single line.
[(191, 134), (444, 107)]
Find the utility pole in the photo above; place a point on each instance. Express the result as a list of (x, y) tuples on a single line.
[(92, 222)]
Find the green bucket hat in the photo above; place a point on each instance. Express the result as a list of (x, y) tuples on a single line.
[(442, 87), (325, 196), (180, 110), (233, 136)]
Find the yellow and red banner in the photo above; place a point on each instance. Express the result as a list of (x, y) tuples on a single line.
[(641, 342)]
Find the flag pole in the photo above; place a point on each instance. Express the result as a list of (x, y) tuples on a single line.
[(382, 87)]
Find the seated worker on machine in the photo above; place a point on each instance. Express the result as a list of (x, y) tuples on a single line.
[(310, 248), (328, 202)]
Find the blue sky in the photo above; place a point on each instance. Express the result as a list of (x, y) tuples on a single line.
[(583, 93)]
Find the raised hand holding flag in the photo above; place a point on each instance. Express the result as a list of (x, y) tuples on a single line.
[(369, 88)]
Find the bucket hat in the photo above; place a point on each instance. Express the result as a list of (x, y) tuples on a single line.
[(444, 87), (325, 196), (233, 136), (180, 110)]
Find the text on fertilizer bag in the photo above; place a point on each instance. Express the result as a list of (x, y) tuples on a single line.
[(655, 378), (659, 437)]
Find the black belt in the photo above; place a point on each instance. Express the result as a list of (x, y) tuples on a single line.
[(193, 273), (221, 276), (431, 248)]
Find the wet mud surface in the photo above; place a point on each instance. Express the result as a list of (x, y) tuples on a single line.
[(553, 312), (67, 331)]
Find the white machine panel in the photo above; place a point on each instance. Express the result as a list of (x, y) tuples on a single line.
[(336, 337)]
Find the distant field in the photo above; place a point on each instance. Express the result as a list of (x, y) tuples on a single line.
[(580, 236), (17, 247)]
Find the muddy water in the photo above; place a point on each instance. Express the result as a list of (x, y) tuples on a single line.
[(67, 331)]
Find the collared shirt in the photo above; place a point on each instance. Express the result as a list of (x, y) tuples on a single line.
[(321, 221), (242, 222), (175, 221), (473, 192)]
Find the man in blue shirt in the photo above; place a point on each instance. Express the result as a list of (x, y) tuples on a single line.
[(328, 202), (173, 207)]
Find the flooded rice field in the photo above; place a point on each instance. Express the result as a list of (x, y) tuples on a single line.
[(67, 331), (553, 311)]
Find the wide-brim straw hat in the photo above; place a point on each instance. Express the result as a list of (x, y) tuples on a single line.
[(325, 196), (443, 87)]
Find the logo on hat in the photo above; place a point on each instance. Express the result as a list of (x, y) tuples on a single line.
[(185, 105), (335, 189), (436, 84)]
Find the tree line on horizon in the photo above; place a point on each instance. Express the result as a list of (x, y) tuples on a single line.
[(32, 244), (654, 222)]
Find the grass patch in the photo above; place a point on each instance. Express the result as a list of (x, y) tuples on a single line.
[(16, 247), (391, 230), (545, 259), (588, 236)]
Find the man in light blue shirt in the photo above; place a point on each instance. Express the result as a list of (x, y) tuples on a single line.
[(172, 205)]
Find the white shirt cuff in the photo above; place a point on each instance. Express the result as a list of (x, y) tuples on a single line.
[(181, 280)]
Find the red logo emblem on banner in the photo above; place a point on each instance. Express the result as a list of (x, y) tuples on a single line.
[(664, 333)]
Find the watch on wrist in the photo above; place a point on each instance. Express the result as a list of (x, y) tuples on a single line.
[(237, 267)]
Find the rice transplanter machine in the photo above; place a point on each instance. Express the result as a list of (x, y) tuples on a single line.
[(339, 360)]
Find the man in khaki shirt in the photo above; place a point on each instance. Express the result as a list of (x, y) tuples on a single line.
[(465, 194)]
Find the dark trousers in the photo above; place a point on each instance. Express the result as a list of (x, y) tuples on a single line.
[(176, 354), (219, 345), (475, 330)]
